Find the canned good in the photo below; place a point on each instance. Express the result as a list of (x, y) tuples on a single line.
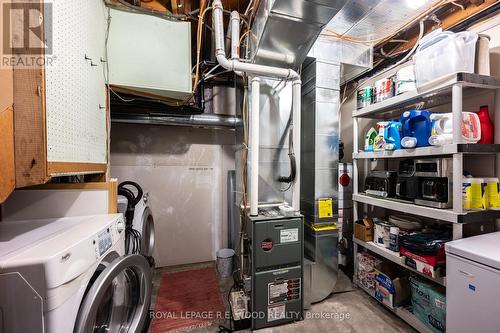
[(384, 89), (405, 80), (492, 193), (394, 239), (365, 97), (473, 193)]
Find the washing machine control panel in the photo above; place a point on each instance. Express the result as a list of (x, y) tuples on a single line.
[(104, 241)]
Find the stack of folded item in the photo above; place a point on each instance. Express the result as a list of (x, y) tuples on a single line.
[(424, 251), (366, 270)]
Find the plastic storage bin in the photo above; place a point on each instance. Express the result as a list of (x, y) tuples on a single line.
[(443, 54)]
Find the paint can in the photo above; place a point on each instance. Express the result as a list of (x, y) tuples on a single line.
[(405, 80), (384, 89), (365, 97)]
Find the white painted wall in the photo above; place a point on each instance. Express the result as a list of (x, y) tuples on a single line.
[(184, 169)]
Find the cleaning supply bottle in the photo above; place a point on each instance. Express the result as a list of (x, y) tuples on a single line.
[(442, 128), (370, 139), (416, 127), (392, 135), (379, 142), (487, 128)]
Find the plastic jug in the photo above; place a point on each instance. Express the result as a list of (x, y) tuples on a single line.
[(416, 124), (442, 128), (392, 135), (487, 128), (370, 139), (379, 142)]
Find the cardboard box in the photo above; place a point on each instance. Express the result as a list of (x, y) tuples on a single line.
[(363, 230), (429, 304), (424, 268), (391, 286), (434, 261)]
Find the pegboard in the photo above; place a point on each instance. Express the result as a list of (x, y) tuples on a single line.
[(75, 82)]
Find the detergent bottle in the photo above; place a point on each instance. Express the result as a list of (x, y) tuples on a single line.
[(442, 128), (392, 135), (379, 142), (370, 139), (487, 128), (416, 128)]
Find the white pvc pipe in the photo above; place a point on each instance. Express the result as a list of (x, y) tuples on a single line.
[(236, 65), (296, 114), (254, 147), (235, 35), (258, 70)]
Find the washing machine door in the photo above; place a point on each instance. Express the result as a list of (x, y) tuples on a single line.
[(147, 233), (119, 298)]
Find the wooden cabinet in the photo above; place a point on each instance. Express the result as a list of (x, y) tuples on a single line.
[(61, 107)]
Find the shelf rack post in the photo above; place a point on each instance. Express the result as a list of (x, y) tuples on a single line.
[(496, 119), (456, 107), (457, 181)]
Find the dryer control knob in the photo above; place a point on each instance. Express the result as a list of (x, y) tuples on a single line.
[(120, 226)]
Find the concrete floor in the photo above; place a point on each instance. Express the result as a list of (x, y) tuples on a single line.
[(350, 310)]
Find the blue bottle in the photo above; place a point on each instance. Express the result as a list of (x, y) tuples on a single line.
[(392, 135), (417, 124)]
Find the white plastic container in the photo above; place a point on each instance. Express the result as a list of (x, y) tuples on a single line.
[(445, 53), (442, 128)]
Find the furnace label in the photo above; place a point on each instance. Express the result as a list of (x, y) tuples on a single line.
[(289, 235)]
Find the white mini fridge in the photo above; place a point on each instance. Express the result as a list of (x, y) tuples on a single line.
[(473, 284)]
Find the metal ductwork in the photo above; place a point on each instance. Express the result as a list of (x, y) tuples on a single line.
[(201, 120), (287, 29)]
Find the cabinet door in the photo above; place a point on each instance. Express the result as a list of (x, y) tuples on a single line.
[(472, 295), (75, 88)]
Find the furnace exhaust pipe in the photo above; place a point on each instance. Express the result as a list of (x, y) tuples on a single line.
[(257, 70)]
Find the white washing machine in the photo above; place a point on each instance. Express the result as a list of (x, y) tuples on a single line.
[(143, 220), (71, 275)]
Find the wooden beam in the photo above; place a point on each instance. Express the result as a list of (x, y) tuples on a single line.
[(175, 8), (69, 168), (29, 115), (7, 171)]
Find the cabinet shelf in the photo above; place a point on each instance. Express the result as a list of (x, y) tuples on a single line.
[(401, 312), (447, 215), (396, 258), (431, 151), (437, 94)]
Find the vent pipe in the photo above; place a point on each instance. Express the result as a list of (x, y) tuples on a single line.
[(254, 70)]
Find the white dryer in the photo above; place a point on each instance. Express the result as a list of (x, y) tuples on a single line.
[(138, 203), (71, 275)]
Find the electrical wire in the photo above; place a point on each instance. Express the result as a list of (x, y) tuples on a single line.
[(366, 38)]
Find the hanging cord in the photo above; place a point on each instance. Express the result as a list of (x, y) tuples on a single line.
[(132, 236), (293, 164)]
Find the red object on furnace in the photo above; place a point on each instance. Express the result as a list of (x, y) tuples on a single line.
[(487, 129)]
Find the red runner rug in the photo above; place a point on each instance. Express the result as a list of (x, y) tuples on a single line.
[(187, 300)]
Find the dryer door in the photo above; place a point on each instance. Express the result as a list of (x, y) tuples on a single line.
[(119, 298), (147, 233)]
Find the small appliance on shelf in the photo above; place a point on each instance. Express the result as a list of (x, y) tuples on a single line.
[(407, 182), (435, 179), (381, 184)]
